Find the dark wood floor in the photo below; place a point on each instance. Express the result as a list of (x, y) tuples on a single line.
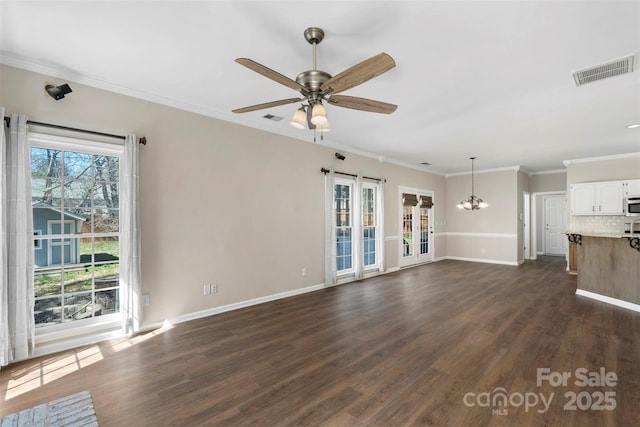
[(400, 349)]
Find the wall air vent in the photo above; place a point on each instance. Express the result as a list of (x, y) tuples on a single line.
[(604, 71)]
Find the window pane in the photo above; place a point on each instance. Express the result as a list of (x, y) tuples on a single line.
[(77, 280), (369, 246), (46, 162), (108, 301), (369, 223), (344, 249), (46, 192), (107, 276), (47, 283), (407, 230), (368, 207), (106, 168), (77, 166), (78, 193), (48, 311), (343, 205), (106, 249), (105, 195), (106, 221), (424, 231), (78, 306)]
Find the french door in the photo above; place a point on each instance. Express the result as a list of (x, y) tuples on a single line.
[(416, 228)]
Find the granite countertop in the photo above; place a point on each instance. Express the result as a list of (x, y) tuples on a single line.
[(609, 234)]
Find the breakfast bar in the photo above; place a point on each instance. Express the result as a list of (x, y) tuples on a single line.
[(609, 265)]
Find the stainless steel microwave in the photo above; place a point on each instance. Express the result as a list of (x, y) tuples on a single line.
[(632, 205)]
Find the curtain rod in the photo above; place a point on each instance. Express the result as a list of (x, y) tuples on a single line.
[(142, 140), (326, 171)]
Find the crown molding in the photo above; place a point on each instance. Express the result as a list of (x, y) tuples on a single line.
[(601, 158), (475, 172), (549, 172)]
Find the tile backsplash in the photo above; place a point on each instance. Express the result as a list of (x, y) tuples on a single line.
[(598, 223)]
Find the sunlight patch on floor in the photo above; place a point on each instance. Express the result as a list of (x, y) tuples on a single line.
[(137, 339), (53, 369)]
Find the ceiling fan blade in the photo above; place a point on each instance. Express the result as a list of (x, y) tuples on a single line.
[(273, 75), (267, 105), (358, 74), (363, 104)]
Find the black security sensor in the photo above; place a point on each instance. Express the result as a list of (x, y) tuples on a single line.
[(58, 92), (340, 156)]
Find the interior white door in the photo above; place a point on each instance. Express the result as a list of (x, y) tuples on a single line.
[(555, 222)]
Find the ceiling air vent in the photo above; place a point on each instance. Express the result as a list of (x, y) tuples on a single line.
[(604, 71), (272, 117)]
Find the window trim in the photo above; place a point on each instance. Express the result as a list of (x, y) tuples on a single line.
[(75, 328), (378, 217), (351, 184), (376, 266)]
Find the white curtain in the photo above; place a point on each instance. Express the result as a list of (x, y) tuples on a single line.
[(130, 282), (17, 325), (330, 229)]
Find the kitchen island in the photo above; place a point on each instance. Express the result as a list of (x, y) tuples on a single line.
[(609, 266)]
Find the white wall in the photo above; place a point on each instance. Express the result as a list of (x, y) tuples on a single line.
[(491, 234), (221, 203)]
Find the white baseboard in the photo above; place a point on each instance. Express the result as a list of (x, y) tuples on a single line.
[(234, 306), (487, 261), (609, 300)]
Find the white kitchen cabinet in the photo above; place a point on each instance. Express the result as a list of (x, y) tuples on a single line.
[(598, 198), (583, 198), (632, 188), (610, 198)]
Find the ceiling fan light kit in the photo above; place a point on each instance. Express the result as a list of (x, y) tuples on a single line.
[(299, 118), (317, 86), (319, 114)]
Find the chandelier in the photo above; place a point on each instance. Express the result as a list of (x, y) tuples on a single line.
[(473, 203)]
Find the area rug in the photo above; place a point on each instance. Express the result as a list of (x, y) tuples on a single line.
[(75, 410)]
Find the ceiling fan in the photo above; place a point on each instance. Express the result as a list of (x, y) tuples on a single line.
[(317, 86)]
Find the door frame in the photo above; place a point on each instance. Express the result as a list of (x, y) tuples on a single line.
[(526, 208), (544, 220), (415, 259), (536, 220)]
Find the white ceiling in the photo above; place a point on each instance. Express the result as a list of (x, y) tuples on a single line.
[(473, 78)]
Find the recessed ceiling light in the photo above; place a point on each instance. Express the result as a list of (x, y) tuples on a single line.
[(633, 126)]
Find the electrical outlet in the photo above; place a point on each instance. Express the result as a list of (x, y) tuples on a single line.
[(206, 289), (214, 288), (304, 272), (146, 299)]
